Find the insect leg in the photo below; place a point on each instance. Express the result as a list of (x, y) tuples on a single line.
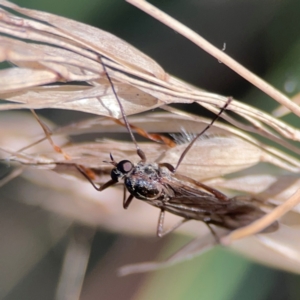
[(127, 202), (124, 195), (151, 136), (48, 134), (213, 233), (101, 188), (84, 171), (160, 225)]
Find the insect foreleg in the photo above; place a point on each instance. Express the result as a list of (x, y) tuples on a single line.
[(48, 134), (98, 188), (127, 202)]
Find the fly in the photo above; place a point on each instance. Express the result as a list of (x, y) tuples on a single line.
[(159, 185)]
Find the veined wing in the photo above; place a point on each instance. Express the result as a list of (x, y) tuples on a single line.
[(194, 200)]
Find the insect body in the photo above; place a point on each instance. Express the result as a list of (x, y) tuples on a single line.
[(160, 186)]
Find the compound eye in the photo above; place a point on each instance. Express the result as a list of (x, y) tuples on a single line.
[(125, 166), (114, 174)]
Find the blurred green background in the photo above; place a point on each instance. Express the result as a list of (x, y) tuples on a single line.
[(262, 35)]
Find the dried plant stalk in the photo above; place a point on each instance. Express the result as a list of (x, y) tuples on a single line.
[(217, 53), (260, 224)]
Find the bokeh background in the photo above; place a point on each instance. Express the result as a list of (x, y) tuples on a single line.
[(262, 35)]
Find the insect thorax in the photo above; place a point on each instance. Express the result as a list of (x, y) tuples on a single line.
[(144, 182)]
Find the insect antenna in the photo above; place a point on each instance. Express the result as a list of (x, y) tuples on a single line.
[(203, 131), (139, 151)]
